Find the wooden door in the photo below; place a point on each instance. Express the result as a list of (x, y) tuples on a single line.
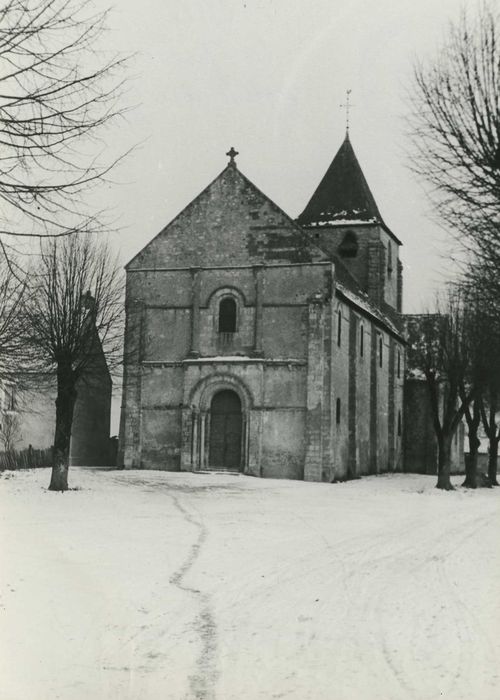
[(225, 431)]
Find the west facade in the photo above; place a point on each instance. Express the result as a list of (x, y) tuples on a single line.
[(261, 344)]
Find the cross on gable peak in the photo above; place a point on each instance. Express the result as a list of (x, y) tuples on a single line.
[(232, 153)]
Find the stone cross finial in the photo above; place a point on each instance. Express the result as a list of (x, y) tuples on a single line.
[(347, 106), (232, 155)]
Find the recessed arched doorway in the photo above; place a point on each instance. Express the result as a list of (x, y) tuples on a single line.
[(226, 427)]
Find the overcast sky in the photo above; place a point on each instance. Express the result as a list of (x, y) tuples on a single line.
[(268, 77)]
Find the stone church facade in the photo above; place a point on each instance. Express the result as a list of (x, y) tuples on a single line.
[(267, 345)]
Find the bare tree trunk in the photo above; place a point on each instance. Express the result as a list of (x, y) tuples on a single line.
[(493, 433), (444, 462), (473, 419), (65, 404), (471, 463), (493, 460)]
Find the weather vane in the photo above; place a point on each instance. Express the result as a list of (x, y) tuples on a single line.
[(347, 106)]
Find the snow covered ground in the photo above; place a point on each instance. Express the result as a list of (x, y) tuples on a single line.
[(149, 585)]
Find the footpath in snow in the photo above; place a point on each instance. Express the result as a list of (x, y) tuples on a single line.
[(158, 586)]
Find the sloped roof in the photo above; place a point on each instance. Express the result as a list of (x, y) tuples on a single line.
[(230, 222), (347, 286), (343, 195)]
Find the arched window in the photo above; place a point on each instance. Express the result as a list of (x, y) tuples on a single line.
[(380, 349), (361, 340), (399, 423), (399, 364), (339, 327), (349, 246), (389, 259), (337, 413), (227, 315)]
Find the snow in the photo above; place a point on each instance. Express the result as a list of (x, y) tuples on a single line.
[(364, 304), (158, 585), (242, 358), (344, 222)]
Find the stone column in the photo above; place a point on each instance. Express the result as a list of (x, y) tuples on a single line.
[(195, 312), (129, 454), (315, 360), (204, 438), (392, 408), (353, 384), (374, 407), (399, 303), (187, 455), (258, 272)]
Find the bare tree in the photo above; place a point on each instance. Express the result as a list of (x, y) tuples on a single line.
[(10, 432), (475, 330), (12, 348), (481, 292), (490, 401), (455, 129), (489, 410), (57, 94), (473, 419), (74, 313), (455, 134), (438, 346)]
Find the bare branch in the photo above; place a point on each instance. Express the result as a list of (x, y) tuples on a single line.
[(58, 93)]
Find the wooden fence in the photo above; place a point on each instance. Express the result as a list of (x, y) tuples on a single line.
[(25, 459)]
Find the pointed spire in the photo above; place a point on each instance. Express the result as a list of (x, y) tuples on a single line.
[(343, 194)]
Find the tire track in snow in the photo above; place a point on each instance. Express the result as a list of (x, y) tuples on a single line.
[(432, 555), (202, 681)]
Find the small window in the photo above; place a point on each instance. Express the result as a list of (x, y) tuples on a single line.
[(339, 327), (389, 259), (399, 423), (227, 315), (399, 364), (349, 246), (380, 350), (362, 341), (337, 412)]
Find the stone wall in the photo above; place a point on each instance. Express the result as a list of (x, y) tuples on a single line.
[(314, 406), (175, 311), (36, 416), (376, 266)]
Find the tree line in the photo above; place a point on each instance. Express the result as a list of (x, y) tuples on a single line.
[(457, 350), (60, 289), (455, 135)]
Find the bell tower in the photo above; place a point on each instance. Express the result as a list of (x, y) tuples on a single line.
[(342, 218)]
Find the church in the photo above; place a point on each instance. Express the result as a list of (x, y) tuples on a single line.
[(261, 344)]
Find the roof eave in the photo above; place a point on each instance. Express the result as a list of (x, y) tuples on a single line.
[(355, 222)]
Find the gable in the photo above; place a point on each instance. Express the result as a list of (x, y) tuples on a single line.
[(230, 223)]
